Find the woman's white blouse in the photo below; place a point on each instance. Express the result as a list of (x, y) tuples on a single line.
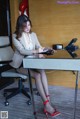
[(28, 42)]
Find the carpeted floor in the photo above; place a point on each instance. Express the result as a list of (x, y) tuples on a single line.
[(62, 98)]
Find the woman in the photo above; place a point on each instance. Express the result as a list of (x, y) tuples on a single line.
[(26, 44)]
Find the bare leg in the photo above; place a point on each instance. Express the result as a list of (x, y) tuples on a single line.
[(39, 86), (37, 76), (44, 82), (40, 78), (41, 91)]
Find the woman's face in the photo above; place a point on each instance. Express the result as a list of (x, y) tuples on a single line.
[(27, 27)]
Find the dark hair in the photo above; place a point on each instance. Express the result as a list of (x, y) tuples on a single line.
[(22, 19)]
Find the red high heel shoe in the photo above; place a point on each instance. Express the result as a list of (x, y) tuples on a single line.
[(54, 114)]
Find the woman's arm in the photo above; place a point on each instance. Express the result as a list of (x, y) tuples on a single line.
[(21, 48), (37, 43)]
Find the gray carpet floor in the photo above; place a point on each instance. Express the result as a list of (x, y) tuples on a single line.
[(62, 98)]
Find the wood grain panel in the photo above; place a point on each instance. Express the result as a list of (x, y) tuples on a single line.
[(53, 23), (56, 23), (14, 8)]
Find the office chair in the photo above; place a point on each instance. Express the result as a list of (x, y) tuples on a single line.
[(9, 93), (6, 54)]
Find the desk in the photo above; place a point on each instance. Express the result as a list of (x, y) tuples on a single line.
[(56, 63)]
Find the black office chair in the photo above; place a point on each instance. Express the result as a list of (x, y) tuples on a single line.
[(8, 93), (6, 54)]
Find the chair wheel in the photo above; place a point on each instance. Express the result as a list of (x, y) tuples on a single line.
[(6, 103), (29, 102)]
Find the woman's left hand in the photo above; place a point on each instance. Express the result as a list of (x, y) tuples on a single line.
[(41, 55), (49, 49), (40, 50)]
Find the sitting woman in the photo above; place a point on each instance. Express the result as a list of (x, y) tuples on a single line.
[(26, 44)]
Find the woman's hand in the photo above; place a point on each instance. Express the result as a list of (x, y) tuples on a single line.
[(49, 50), (40, 49), (41, 55)]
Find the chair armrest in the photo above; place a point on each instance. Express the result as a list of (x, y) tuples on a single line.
[(5, 62)]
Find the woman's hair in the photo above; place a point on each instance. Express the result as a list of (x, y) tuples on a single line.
[(20, 24)]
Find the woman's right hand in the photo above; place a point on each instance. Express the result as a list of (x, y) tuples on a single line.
[(40, 50)]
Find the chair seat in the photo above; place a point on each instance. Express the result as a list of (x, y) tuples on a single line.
[(14, 74)]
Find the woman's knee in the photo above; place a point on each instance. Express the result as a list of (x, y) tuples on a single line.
[(42, 71), (37, 75)]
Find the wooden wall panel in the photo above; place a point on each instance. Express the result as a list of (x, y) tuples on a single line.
[(56, 23), (14, 9), (53, 22)]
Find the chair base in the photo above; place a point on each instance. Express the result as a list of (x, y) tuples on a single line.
[(9, 93), (14, 91), (4, 82)]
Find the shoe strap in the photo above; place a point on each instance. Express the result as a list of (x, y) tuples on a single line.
[(47, 95), (45, 102)]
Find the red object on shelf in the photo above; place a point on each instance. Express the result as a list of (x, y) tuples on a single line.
[(24, 7)]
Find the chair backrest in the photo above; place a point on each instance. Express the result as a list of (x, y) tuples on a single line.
[(6, 52), (4, 41)]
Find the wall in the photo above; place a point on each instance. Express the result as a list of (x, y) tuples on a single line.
[(14, 10), (53, 22), (56, 23)]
